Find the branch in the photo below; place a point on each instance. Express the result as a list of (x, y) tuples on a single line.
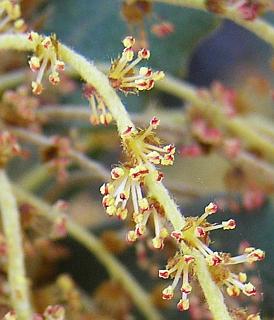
[(92, 75), (83, 161), (116, 270), (16, 268)]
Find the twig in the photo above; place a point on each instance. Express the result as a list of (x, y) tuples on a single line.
[(82, 160), (16, 269)]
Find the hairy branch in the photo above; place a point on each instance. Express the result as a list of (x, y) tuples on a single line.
[(16, 269)]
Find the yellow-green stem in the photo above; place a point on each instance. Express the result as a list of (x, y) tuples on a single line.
[(211, 291), (163, 196), (19, 293), (115, 269)]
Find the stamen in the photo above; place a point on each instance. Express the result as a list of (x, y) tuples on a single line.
[(122, 74)]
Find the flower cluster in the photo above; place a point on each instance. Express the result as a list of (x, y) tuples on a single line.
[(195, 236), (225, 96), (46, 55), (162, 29), (248, 9), (143, 149), (126, 183), (205, 133), (122, 74), (8, 147), (18, 107), (10, 16), (129, 184), (137, 13), (57, 156), (100, 112), (55, 312)]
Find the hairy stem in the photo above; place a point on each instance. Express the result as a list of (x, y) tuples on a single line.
[(94, 245), (261, 28), (211, 291), (16, 269)]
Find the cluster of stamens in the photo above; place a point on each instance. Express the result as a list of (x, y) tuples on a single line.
[(141, 221), (10, 14), (46, 57), (129, 184), (126, 183), (195, 235), (100, 112), (144, 147), (180, 266), (19, 107), (122, 74)]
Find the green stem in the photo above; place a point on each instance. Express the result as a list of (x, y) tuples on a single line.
[(16, 269), (211, 291), (116, 270), (33, 179)]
